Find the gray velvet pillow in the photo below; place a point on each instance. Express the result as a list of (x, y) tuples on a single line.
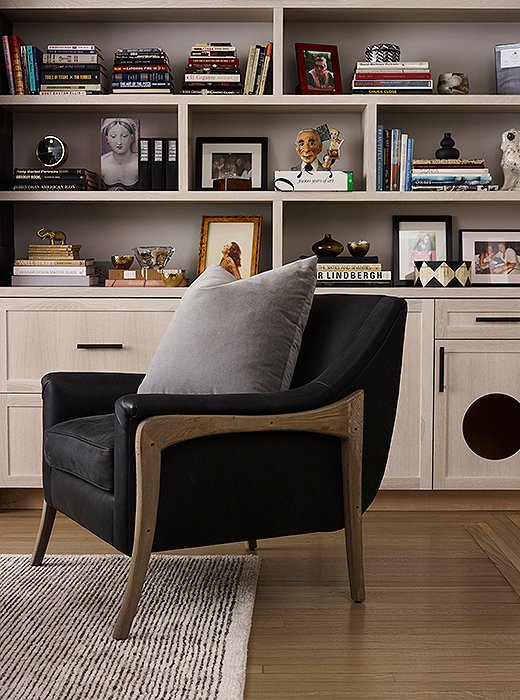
[(233, 336)]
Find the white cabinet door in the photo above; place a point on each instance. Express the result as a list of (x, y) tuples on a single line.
[(410, 460), (477, 414), (21, 442)]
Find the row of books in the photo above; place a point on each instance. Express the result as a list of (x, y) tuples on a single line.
[(73, 68), (141, 70), (42, 180), (158, 165), (212, 69), (451, 174), (22, 65), (392, 78), (394, 155), (53, 266), (257, 68)]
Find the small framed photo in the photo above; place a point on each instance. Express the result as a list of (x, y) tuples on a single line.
[(318, 69), (232, 242), (418, 238), (230, 157), (494, 255)]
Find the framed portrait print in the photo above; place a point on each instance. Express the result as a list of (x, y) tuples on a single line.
[(232, 242), (230, 157), (318, 69), (418, 238), (494, 255)]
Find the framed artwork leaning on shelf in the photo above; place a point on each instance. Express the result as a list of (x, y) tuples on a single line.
[(494, 255), (318, 69), (230, 157), (232, 242), (418, 238)]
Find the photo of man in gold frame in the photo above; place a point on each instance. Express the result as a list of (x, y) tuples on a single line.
[(232, 242)]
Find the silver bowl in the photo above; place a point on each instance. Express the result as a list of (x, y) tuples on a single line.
[(153, 257)]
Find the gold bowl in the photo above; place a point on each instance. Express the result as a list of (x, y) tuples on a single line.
[(173, 278), (122, 262), (358, 248)]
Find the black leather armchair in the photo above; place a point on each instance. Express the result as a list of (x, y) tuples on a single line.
[(222, 468)]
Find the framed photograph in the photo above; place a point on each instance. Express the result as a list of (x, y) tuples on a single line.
[(494, 255), (418, 238), (230, 241), (318, 69), (230, 157)]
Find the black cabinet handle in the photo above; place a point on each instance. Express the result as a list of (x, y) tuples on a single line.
[(441, 369), (99, 346), (497, 319)]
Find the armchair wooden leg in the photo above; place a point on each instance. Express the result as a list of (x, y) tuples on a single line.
[(352, 463), (251, 545), (44, 532)]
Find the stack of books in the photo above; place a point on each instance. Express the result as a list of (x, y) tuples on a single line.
[(61, 179), (394, 154), (451, 174), (212, 69), (73, 68), (345, 271), (406, 78), (257, 68), (53, 266), (142, 70), (22, 65)]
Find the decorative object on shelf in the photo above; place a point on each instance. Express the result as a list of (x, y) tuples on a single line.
[(494, 255), (327, 247), (53, 236), (174, 278), (153, 257), (158, 165), (442, 273), (358, 249), (318, 69), (233, 242), (507, 69), (510, 162), (122, 262), (230, 157), (119, 153), (453, 84), (383, 53), (51, 151), (446, 151), (418, 238)]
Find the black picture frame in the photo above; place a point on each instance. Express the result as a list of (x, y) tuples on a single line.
[(206, 147), (487, 268), (433, 234)]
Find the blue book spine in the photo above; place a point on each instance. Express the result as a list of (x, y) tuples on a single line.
[(30, 69), (409, 158), (379, 157), (37, 60)]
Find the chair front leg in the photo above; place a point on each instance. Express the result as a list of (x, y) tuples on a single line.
[(44, 533)]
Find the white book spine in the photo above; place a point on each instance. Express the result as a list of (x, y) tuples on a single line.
[(212, 77), (354, 276), (42, 270)]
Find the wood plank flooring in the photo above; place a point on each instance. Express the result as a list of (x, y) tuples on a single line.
[(441, 619)]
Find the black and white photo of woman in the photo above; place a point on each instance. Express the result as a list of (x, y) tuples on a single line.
[(119, 157)]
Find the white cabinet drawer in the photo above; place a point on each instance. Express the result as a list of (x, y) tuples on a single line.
[(78, 335), (482, 318)]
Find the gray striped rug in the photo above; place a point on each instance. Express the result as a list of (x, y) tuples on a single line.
[(188, 641)]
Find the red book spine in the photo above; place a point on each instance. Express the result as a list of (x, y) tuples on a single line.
[(8, 64), (14, 48)]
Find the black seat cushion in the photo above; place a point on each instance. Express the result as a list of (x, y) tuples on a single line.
[(83, 447)]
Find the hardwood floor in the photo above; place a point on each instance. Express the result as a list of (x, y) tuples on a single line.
[(440, 619)]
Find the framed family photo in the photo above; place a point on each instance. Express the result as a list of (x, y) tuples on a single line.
[(494, 255), (232, 242), (318, 69), (418, 238), (230, 157)]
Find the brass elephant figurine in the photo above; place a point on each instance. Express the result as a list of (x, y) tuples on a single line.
[(53, 236)]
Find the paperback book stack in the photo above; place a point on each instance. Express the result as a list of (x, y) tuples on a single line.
[(394, 154), (73, 68), (22, 65), (144, 70), (212, 69), (258, 61), (451, 174), (48, 180), (347, 271), (53, 266), (408, 78)]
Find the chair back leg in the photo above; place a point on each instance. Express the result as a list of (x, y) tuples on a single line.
[(44, 533)]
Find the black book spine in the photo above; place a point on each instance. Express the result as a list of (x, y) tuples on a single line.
[(172, 165), (144, 155), (157, 164)]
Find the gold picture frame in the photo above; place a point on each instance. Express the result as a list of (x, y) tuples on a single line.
[(230, 241)]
